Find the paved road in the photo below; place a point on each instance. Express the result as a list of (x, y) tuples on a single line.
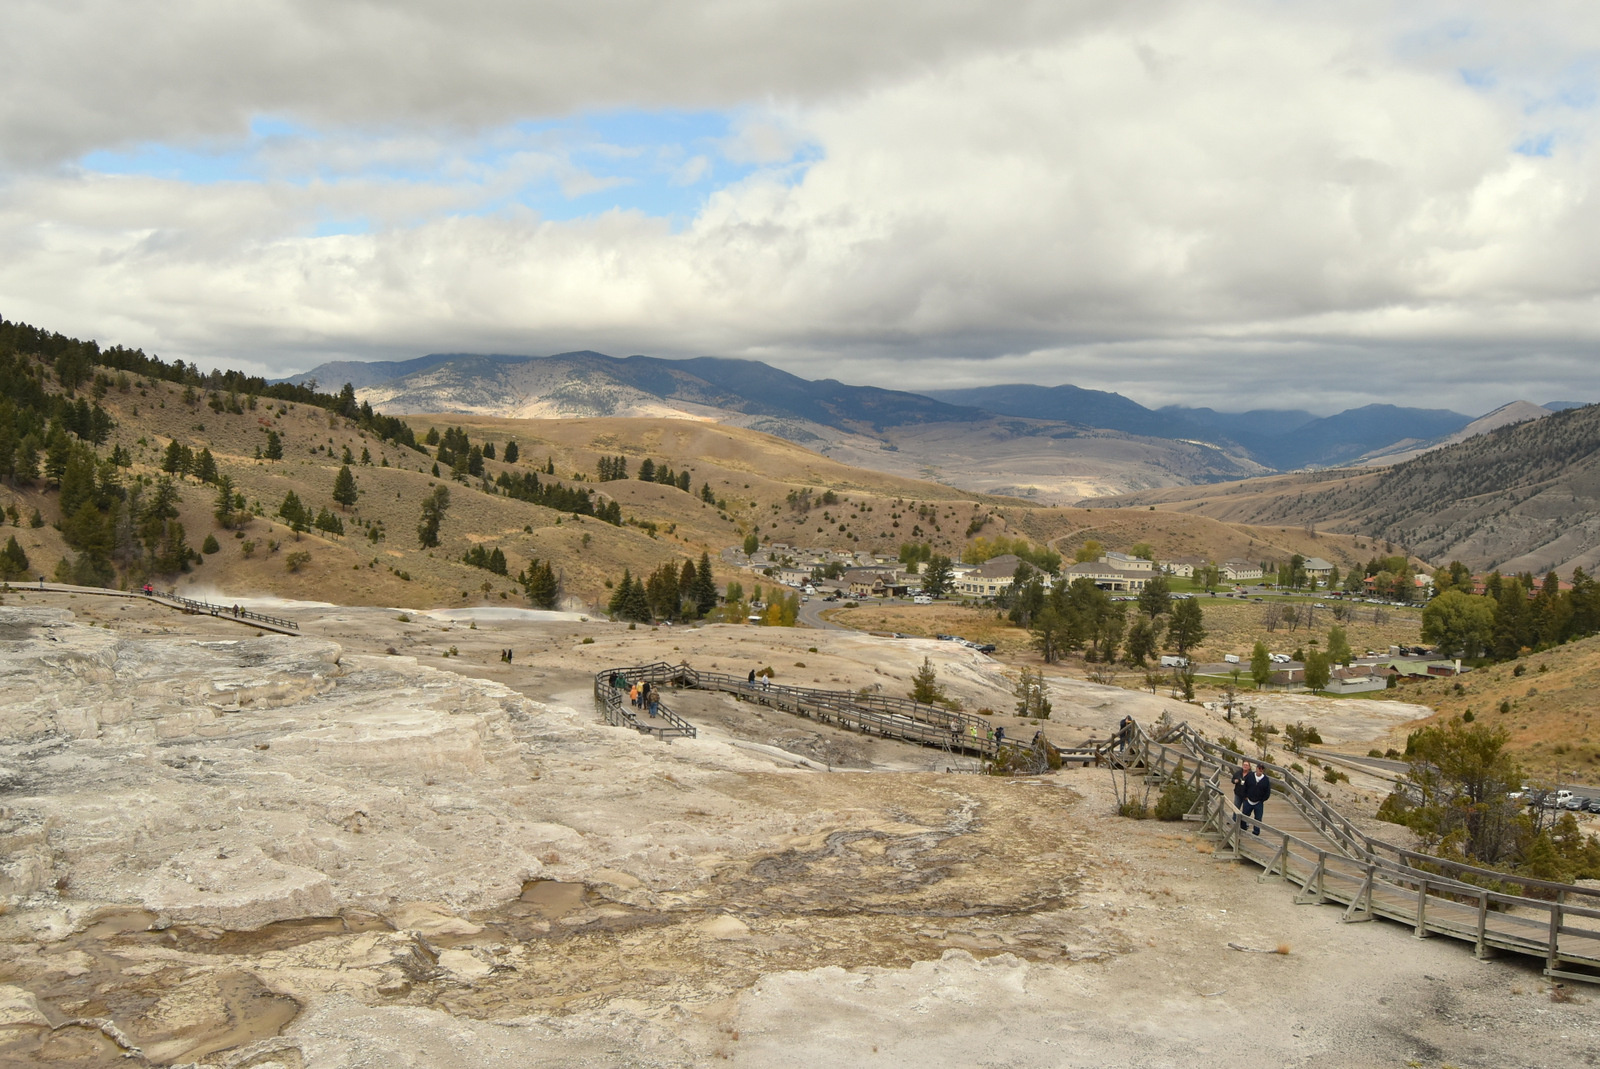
[(811, 615)]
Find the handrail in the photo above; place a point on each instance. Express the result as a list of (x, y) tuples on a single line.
[(1343, 832), (882, 714), (1421, 878), (237, 612)]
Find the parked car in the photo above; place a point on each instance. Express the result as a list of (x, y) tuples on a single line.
[(1594, 805), (987, 647)]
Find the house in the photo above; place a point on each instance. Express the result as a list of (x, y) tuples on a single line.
[(1183, 567), (1236, 570), (873, 583), (1123, 562), (793, 576), (989, 579), (1319, 569)]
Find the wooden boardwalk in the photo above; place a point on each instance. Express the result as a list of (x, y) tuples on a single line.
[(868, 714), (1307, 844)]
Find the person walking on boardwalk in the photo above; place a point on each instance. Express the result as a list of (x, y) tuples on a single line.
[(1257, 789), (752, 679), (1239, 775)]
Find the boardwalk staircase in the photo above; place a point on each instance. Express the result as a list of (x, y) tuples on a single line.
[(1327, 859)]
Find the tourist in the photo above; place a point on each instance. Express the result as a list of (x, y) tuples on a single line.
[(1257, 789), (1239, 775)]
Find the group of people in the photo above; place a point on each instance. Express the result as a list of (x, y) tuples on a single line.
[(645, 696), (1251, 789), (505, 655)]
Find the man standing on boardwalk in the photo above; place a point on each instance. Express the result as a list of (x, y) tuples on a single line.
[(1257, 789)]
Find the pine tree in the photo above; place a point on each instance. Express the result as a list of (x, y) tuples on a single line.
[(647, 470), (704, 591), (205, 466), (511, 452), (434, 507), (14, 560), (294, 513), (344, 488), (274, 449)]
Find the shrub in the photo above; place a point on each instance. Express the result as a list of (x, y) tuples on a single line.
[(1333, 775), (210, 545), (587, 641), (1177, 797), (297, 560)]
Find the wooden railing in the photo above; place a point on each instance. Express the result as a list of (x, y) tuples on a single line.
[(1374, 878), (877, 714), (234, 612)]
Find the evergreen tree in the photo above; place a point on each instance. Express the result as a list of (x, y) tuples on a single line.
[(1156, 597), (434, 507), (294, 513), (274, 450), (224, 510), (1187, 628), (175, 461), (704, 594), (925, 685), (205, 467), (210, 545), (647, 470), (541, 585), (937, 579), (327, 521), (344, 488), (14, 560), (511, 452)]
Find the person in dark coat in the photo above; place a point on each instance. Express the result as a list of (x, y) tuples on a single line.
[(1257, 789), (1239, 775)]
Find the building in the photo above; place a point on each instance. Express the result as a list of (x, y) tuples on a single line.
[(873, 583), (1319, 569), (1238, 570), (1107, 577), (1183, 567), (1125, 563), (990, 579)]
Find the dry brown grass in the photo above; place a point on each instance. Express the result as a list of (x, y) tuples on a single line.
[(1235, 627), (751, 473), (1550, 708)]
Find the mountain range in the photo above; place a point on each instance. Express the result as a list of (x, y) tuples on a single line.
[(1050, 444)]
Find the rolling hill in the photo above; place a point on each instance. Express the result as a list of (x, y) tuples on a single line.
[(1523, 497), (900, 433)]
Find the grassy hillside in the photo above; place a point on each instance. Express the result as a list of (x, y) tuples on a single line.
[(757, 483), (1549, 715), (1521, 498)]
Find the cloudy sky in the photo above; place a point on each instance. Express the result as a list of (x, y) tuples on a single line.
[(1237, 204)]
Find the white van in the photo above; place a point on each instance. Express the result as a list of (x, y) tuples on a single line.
[(1231, 658), (1174, 661), (922, 599)]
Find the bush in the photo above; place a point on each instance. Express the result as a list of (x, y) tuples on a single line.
[(1134, 809), (297, 560), (1395, 809), (1333, 775), (1177, 797), (210, 545)]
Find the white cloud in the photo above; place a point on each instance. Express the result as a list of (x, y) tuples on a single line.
[(1232, 204)]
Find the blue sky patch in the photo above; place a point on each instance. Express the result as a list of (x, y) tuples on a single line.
[(661, 163)]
